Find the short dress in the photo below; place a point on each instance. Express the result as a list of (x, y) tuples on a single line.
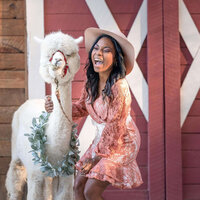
[(113, 123)]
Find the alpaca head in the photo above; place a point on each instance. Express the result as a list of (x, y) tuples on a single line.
[(59, 57)]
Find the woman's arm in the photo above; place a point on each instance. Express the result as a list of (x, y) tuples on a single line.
[(78, 108)]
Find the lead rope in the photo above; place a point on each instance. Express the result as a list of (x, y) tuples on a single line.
[(58, 98)]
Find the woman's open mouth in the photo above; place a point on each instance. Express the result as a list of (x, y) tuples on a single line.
[(98, 61)]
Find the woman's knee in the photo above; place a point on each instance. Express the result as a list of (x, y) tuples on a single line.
[(89, 193), (79, 184), (94, 188)]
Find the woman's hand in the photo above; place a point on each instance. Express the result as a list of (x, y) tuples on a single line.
[(48, 104), (89, 164), (86, 168)]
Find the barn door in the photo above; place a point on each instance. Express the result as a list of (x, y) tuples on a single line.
[(173, 65)]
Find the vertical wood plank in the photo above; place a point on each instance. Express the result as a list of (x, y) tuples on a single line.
[(3, 194), (172, 101), (12, 68), (156, 177), (26, 56)]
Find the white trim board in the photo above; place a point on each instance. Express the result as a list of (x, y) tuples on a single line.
[(35, 27)]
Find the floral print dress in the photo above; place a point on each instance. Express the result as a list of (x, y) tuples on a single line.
[(113, 123)]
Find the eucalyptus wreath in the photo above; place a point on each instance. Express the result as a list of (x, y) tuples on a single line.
[(38, 138)]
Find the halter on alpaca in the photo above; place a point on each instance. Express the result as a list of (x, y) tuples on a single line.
[(66, 66)]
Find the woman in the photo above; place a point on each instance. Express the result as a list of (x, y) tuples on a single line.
[(111, 158)]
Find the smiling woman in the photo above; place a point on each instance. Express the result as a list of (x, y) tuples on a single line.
[(111, 158)]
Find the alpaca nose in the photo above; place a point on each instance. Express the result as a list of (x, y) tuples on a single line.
[(58, 59)]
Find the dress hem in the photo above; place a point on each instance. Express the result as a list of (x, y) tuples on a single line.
[(111, 180)]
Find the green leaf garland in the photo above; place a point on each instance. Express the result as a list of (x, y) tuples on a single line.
[(37, 140)]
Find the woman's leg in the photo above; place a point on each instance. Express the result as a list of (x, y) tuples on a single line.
[(79, 186), (94, 189)]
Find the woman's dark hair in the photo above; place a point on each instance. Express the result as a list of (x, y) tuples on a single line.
[(118, 72)]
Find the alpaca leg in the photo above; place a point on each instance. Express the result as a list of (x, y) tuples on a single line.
[(35, 182), (48, 188), (65, 188), (55, 185), (15, 180)]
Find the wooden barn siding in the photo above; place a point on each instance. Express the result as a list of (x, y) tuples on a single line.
[(191, 126), (73, 17), (173, 157), (12, 75), (156, 167)]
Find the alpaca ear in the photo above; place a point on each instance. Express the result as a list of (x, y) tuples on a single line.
[(79, 40), (38, 40)]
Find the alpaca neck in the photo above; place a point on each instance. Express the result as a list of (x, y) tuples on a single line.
[(59, 127), (65, 100)]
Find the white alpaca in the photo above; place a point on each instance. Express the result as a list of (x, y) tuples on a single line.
[(56, 48)]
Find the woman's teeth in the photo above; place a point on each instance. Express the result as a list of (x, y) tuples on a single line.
[(98, 62)]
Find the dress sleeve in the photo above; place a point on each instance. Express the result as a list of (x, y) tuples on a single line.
[(78, 108), (116, 120)]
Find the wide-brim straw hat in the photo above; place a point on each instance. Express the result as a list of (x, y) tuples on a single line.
[(91, 34)]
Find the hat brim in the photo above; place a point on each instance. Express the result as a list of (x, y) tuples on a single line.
[(91, 34)]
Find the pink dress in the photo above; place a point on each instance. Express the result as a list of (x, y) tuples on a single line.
[(113, 121)]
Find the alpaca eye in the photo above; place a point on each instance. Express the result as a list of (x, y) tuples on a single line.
[(70, 55)]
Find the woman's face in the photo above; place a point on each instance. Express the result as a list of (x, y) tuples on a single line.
[(103, 55)]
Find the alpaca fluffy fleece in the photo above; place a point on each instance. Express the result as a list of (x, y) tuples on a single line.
[(58, 130)]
